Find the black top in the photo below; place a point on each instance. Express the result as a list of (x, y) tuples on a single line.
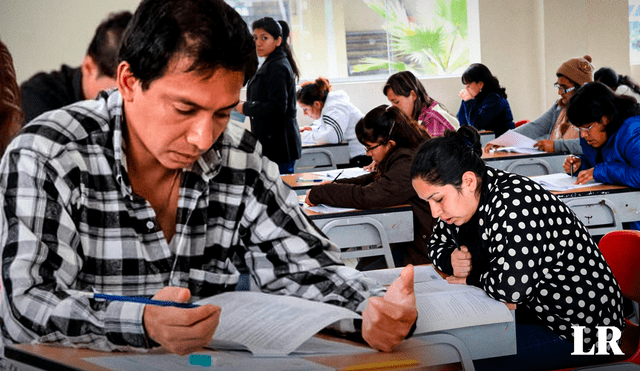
[(47, 91), (271, 105)]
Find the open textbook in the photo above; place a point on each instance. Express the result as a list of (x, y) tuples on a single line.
[(276, 325), (515, 142)]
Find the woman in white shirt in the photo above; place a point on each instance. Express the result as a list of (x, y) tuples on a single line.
[(335, 118)]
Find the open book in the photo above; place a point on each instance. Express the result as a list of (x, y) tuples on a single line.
[(515, 142)]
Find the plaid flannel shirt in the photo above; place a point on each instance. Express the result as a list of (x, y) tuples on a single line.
[(70, 222)]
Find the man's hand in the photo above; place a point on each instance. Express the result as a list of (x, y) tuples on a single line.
[(180, 330), (461, 262), (546, 145), (387, 320)]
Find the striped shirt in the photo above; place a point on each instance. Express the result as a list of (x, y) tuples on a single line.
[(69, 222)]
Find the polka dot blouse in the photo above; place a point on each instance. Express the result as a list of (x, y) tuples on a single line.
[(540, 256)]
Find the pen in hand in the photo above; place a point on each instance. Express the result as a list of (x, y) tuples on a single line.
[(337, 176), (138, 299)]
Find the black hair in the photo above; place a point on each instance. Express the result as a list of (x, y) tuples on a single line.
[(105, 44), (11, 117), (595, 100), (611, 78), (314, 91), (209, 32), (278, 29), (385, 123), (443, 160), (403, 83), (479, 72)]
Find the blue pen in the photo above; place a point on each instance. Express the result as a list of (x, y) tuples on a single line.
[(139, 299), (300, 179)]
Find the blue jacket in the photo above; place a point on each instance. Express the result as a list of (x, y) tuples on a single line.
[(618, 161), (491, 113)]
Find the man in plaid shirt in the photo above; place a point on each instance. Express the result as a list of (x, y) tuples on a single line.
[(147, 192)]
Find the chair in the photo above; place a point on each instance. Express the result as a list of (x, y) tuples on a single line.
[(621, 250), (315, 159)]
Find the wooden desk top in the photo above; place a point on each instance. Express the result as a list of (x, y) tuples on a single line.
[(316, 215), (411, 351), (501, 155)]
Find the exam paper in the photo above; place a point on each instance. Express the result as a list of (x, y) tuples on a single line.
[(351, 172), (515, 142), (326, 209), (271, 325), (422, 273), (443, 306), (561, 182)]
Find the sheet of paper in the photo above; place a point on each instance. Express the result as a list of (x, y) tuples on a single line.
[(271, 325), (515, 142), (220, 361), (459, 306), (351, 172), (317, 346), (422, 273), (561, 182), (326, 209)]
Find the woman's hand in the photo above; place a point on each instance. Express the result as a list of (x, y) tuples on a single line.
[(546, 145), (491, 147), (306, 199), (461, 262), (238, 107), (465, 95), (585, 176), (574, 162), (305, 128), (371, 167)]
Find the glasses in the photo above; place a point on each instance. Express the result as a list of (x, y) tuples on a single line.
[(562, 89), (369, 149), (584, 129)]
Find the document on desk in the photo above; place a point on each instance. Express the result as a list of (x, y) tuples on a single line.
[(515, 142), (422, 273), (351, 172), (270, 325), (561, 182), (444, 306), (326, 209)]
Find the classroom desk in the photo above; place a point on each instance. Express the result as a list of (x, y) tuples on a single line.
[(603, 208), (373, 227), (438, 354), (486, 136), (322, 156), (526, 164), (302, 182)]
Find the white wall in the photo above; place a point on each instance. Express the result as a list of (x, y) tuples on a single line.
[(523, 42)]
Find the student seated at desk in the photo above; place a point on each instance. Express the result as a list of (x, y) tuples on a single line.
[(552, 130), (147, 192), (335, 118), (506, 234), (484, 102), (620, 84), (406, 92), (609, 126), (391, 139)]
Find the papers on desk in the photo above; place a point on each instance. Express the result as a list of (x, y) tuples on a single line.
[(561, 182), (515, 142), (326, 209), (270, 325), (385, 277), (351, 172)]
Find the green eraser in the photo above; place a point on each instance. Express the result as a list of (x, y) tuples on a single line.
[(200, 360)]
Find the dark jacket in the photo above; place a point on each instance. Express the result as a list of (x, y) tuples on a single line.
[(271, 105), (489, 113), (47, 91), (392, 188)]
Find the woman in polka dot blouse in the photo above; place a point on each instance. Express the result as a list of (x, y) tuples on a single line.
[(507, 235)]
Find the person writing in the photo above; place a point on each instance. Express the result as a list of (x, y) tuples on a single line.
[(406, 92), (484, 102), (507, 235), (391, 139), (609, 126), (271, 95), (47, 91), (335, 118), (552, 131), (148, 192)]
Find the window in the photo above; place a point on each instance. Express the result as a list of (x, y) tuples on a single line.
[(365, 39), (634, 31)]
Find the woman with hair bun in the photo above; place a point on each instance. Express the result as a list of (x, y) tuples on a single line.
[(391, 138), (515, 240), (484, 102), (335, 118), (271, 95)]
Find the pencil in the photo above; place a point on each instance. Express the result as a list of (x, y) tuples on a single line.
[(337, 176), (139, 299)]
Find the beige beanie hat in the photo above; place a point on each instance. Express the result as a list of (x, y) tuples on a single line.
[(578, 70)]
